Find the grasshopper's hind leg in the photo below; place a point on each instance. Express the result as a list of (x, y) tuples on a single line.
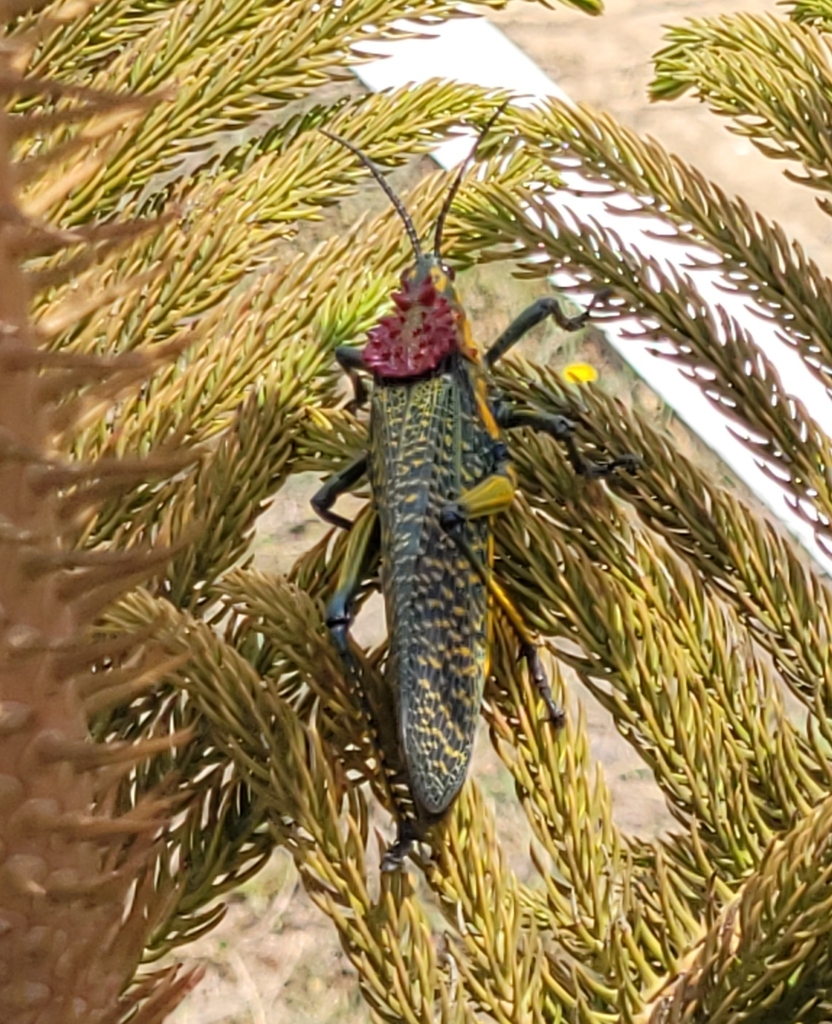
[(492, 495)]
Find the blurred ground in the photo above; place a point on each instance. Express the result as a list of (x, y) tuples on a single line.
[(275, 958)]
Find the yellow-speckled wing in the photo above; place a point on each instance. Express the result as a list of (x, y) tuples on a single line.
[(428, 445)]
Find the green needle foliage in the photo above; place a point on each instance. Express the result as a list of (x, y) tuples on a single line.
[(185, 306)]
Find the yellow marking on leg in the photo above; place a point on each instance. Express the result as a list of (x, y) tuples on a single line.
[(492, 495), (484, 409)]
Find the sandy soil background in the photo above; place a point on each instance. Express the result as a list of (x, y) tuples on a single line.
[(275, 958)]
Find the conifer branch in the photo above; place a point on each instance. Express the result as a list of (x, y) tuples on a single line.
[(817, 13), (754, 254), (776, 96), (719, 354)]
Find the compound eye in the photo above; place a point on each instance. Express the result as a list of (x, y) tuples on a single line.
[(449, 272)]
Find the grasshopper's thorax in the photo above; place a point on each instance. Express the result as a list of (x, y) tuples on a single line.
[(428, 326)]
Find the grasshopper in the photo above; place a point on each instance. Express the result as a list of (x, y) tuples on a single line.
[(439, 469)]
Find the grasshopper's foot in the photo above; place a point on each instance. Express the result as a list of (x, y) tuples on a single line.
[(575, 323), (561, 428), (556, 713), (593, 470), (598, 299), (395, 855), (552, 308), (629, 463)]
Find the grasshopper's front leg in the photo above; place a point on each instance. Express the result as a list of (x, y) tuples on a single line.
[(548, 306), (351, 360), (558, 427), (562, 429), (494, 494), (339, 483)]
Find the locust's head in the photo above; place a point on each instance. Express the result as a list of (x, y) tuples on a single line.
[(427, 326), (429, 323)]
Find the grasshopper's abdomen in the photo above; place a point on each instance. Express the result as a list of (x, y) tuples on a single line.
[(428, 446)]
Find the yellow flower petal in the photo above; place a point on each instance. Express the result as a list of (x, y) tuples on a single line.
[(579, 373)]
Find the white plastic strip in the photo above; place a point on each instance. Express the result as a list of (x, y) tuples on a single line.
[(475, 51)]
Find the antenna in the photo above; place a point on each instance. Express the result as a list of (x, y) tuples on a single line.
[(460, 174), (388, 191)]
